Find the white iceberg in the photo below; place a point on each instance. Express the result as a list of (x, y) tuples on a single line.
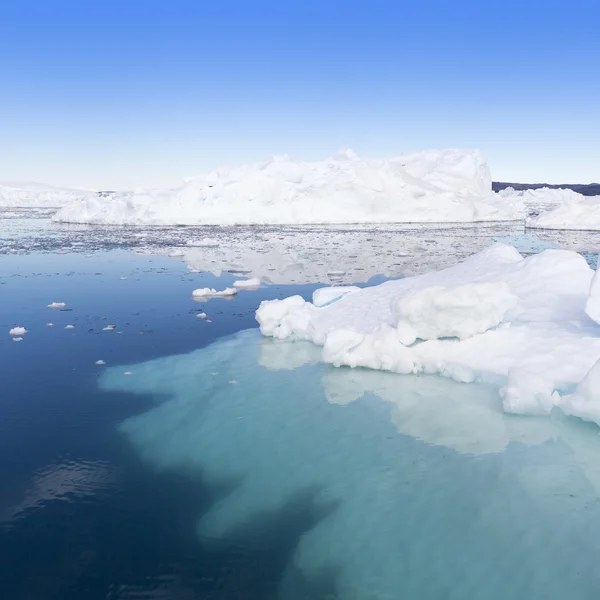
[(56, 305), (17, 331), (574, 211), (445, 186), (36, 195), (531, 336)]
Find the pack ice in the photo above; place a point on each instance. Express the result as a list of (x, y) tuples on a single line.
[(527, 325), (429, 186)]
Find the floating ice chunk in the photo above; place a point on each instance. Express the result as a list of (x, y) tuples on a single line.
[(109, 328), (460, 311), (212, 293), (17, 331), (17, 339), (176, 252), (70, 327), (548, 349), (122, 278), (100, 362), (203, 243), (128, 373), (247, 284), (56, 305), (202, 315), (327, 295), (49, 324)]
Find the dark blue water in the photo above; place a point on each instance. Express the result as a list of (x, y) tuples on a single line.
[(79, 515)]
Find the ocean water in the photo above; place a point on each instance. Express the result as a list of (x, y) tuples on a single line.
[(224, 465)]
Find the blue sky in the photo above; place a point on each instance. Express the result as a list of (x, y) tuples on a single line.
[(124, 94)]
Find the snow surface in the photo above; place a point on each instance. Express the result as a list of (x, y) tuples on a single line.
[(432, 186), (544, 346), (247, 284), (34, 195), (17, 331), (212, 293), (327, 295), (392, 467), (575, 211), (460, 311)]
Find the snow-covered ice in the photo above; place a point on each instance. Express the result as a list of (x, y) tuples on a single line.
[(526, 319), (212, 293), (247, 284), (17, 331), (26, 194), (575, 211), (460, 311), (56, 305), (431, 186)]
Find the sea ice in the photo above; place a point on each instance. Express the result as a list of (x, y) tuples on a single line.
[(100, 362), (69, 326), (17, 331), (202, 315), (212, 293), (203, 243), (38, 195), (109, 328), (547, 350), (17, 339)]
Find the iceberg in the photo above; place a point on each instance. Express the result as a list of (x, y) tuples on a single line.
[(517, 323), (36, 195), (435, 186), (422, 484)]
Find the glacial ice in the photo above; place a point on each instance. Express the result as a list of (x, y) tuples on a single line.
[(212, 293), (17, 331), (432, 186), (524, 320), (247, 284), (38, 195), (423, 484)]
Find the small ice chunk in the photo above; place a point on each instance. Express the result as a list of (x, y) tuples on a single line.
[(128, 373), (70, 327), (17, 331), (202, 315), (211, 292), (175, 253), (247, 284), (49, 324), (56, 305), (327, 295), (460, 311), (109, 328), (203, 243), (100, 362), (17, 339), (122, 278)]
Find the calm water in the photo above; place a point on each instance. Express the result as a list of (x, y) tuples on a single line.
[(230, 466)]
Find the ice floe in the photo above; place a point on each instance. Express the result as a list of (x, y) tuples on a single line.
[(212, 293), (57, 305), (17, 331), (247, 284), (523, 319)]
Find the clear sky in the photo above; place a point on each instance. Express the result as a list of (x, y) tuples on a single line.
[(135, 93)]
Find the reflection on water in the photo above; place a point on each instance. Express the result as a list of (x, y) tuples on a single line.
[(423, 487)]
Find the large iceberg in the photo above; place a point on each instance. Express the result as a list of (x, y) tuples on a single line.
[(445, 186), (36, 195), (421, 486), (518, 323)]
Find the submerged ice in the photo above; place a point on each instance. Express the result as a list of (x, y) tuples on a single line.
[(406, 510)]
